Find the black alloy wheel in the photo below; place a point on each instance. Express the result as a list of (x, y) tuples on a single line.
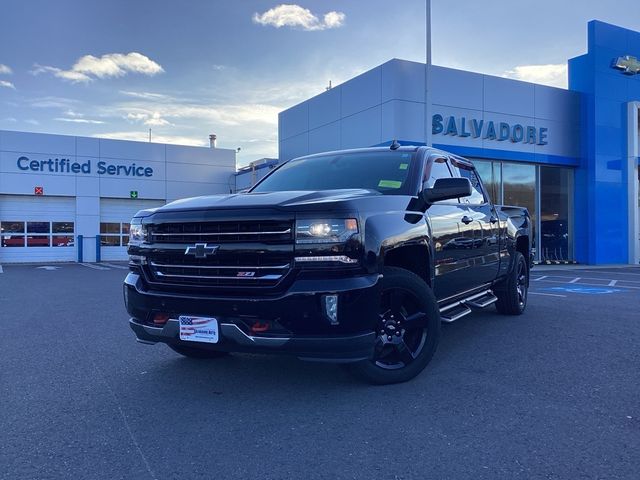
[(408, 330), (402, 329), (512, 292)]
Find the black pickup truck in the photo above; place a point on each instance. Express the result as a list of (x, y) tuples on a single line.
[(352, 256)]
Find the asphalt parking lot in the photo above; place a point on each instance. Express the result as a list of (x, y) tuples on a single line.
[(552, 394)]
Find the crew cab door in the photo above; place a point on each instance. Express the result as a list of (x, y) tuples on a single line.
[(483, 219), (452, 239)]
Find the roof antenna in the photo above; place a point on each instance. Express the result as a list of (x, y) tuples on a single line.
[(394, 145)]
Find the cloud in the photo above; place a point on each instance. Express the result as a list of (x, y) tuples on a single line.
[(152, 119), (5, 70), (79, 120), (111, 65), (32, 121), (295, 16), (554, 75), (145, 95), (4, 83), (144, 137), (52, 102)]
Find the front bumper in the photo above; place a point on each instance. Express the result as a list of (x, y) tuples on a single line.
[(300, 326)]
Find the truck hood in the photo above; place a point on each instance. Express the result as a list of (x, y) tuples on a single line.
[(266, 200)]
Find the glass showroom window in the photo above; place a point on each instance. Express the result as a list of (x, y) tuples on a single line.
[(519, 189), (114, 234), (556, 219), (491, 175)]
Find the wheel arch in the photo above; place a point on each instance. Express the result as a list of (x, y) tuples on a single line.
[(415, 257)]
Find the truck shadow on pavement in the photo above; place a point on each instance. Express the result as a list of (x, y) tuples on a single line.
[(253, 374)]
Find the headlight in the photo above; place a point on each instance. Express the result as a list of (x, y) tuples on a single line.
[(137, 234), (335, 230)]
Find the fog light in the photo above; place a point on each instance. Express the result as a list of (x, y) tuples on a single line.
[(330, 304), (160, 318)]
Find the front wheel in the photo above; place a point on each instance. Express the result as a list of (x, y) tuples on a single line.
[(408, 330)]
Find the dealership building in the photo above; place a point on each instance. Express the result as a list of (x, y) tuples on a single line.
[(65, 198), (569, 155)]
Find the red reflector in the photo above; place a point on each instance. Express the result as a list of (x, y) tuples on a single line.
[(160, 318), (259, 327)]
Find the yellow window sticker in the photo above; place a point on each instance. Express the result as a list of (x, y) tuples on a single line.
[(389, 184), (403, 166)]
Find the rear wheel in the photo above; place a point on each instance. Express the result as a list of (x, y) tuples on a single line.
[(512, 293), (193, 352), (408, 330)]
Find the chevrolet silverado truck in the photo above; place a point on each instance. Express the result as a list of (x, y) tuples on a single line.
[(352, 256)]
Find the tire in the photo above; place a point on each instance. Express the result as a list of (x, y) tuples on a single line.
[(408, 330), (199, 353), (512, 292)]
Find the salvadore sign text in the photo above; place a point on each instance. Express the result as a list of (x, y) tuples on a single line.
[(86, 167), (487, 130)]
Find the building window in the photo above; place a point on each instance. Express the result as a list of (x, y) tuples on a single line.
[(14, 233), (491, 176), (556, 224), (519, 189), (114, 234)]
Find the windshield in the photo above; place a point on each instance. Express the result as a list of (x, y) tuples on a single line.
[(385, 172)]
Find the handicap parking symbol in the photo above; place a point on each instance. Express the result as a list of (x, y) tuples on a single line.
[(584, 290)]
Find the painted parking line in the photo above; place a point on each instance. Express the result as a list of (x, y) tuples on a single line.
[(612, 283), (95, 267), (547, 294), (575, 280), (540, 278), (113, 265), (1, 270)]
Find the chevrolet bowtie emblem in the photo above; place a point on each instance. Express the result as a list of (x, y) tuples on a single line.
[(628, 64), (201, 250)]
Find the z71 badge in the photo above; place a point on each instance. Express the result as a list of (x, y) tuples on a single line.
[(245, 274)]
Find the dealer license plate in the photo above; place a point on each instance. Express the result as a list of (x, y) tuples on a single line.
[(198, 329)]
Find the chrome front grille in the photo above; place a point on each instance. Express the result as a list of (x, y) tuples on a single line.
[(266, 231), (224, 269)]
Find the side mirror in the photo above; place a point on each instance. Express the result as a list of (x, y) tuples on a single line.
[(447, 188)]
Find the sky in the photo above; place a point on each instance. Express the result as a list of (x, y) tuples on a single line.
[(188, 68)]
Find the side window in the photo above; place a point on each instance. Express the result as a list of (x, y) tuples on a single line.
[(439, 169), (477, 194)]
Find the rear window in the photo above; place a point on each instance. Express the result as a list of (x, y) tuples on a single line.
[(386, 172)]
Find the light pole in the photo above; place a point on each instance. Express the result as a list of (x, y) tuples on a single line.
[(427, 77)]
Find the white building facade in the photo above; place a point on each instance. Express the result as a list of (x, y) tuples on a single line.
[(66, 198)]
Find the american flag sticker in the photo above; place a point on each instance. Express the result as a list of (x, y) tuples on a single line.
[(198, 329)]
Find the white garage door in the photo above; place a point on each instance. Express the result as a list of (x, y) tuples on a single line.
[(37, 229), (115, 215)]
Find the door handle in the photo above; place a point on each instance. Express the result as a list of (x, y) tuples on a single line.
[(493, 219), (467, 220)]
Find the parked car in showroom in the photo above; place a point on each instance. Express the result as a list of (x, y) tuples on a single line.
[(350, 256)]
